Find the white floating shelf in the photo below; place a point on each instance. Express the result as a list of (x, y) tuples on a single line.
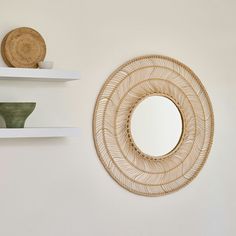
[(39, 132), (52, 75)]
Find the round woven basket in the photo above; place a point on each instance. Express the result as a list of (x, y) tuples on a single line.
[(23, 47), (2, 50)]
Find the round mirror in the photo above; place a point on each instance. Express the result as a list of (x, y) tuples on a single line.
[(156, 126)]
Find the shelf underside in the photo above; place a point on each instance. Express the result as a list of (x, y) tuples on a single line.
[(39, 132), (50, 75)]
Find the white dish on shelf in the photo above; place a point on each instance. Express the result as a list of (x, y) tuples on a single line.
[(45, 64)]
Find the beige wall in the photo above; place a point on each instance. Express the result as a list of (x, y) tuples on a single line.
[(51, 187)]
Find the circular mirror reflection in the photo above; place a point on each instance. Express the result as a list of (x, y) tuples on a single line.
[(156, 126)]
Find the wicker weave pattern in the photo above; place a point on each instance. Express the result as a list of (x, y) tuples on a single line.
[(23, 47), (125, 162)]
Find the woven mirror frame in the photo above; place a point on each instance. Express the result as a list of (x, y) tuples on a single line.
[(126, 87)]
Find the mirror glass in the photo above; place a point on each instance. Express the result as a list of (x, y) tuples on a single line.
[(156, 126)]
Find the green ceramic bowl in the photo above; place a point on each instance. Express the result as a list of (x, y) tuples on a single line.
[(16, 113)]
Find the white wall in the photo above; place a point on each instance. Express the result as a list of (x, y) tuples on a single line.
[(54, 187)]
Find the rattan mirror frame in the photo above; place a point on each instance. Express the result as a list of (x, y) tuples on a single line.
[(124, 89)]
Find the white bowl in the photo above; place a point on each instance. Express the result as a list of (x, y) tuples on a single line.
[(45, 64)]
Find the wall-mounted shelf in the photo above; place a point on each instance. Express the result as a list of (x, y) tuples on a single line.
[(46, 75), (39, 132), (52, 75)]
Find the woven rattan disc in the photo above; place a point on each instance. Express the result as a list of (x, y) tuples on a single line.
[(23, 47), (3, 49), (131, 83)]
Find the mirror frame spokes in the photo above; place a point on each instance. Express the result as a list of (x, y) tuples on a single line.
[(124, 89)]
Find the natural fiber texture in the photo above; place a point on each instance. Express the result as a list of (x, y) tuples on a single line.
[(23, 47), (124, 89), (3, 50)]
